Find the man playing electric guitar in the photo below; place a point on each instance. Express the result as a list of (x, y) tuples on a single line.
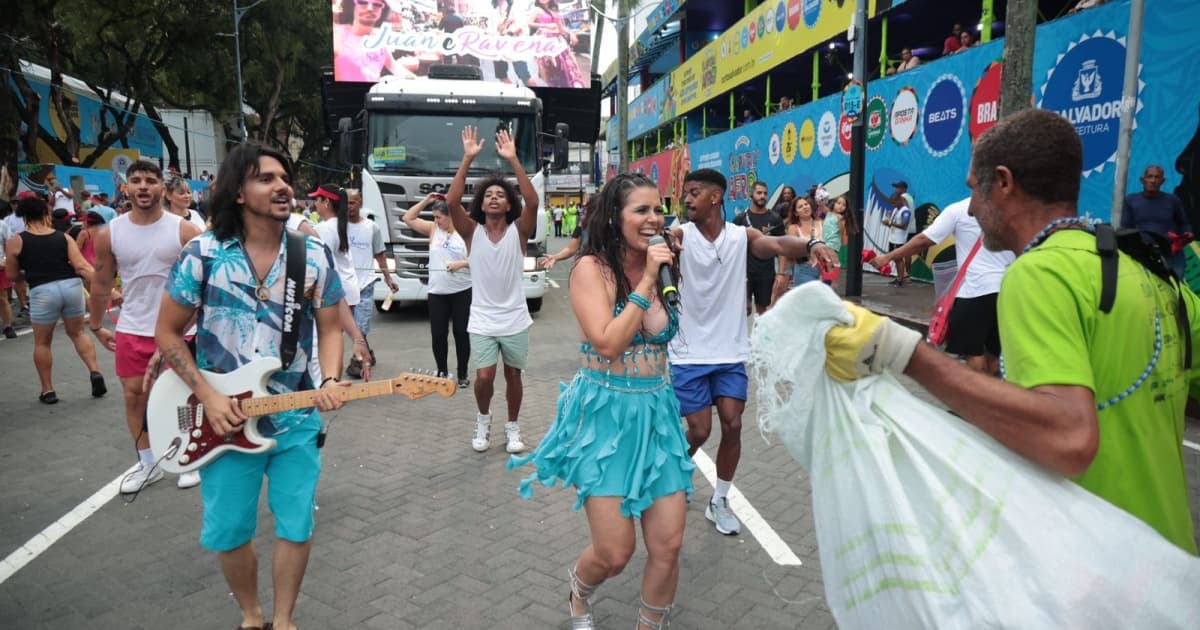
[(237, 276)]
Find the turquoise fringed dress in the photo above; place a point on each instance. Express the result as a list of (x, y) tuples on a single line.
[(618, 432)]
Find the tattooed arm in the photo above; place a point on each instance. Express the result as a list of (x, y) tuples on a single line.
[(174, 319)]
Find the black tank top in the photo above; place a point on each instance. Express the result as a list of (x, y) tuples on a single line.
[(44, 259)]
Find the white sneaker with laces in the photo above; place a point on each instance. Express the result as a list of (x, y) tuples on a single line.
[(483, 428), (513, 434), (188, 480), (140, 478), (722, 517)]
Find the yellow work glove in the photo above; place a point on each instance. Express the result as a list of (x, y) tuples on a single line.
[(870, 345)]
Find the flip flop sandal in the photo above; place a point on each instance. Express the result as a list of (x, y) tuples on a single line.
[(48, 398), (265, 626)]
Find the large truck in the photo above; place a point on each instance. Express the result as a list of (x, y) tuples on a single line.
[(407, 143)]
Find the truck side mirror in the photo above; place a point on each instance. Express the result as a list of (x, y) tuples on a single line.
[(346, 151), (561, 131)]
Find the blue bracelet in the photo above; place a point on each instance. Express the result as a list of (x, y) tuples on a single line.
[(639, 301)]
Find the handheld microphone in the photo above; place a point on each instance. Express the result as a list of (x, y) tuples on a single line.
[(670, 294)]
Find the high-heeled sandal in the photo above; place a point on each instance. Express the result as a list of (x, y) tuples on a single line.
[(663, 621), (582, 593)]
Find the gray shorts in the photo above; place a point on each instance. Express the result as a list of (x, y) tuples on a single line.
[(58, 299), (512, 349)]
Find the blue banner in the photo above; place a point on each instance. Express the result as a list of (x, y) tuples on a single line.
[(657, 18), (652, 108)]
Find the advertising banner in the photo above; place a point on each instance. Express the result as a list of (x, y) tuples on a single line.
[(667, 170), (532, 42), (771, 34), (793, 149), (651, 108)]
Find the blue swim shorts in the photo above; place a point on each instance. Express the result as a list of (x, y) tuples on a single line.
[(699, 386)]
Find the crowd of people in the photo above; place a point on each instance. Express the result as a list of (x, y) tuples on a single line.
[(651, 368)]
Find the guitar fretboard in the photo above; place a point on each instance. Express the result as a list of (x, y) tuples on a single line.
[(298, 400)]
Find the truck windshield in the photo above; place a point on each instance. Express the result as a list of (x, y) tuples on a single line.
[(430, 143)]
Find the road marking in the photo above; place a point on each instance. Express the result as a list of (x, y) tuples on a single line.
[(552, 282), (21, 332), (1192, 445), (42, 541), (750, 518)]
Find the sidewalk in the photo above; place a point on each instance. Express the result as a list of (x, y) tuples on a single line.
[(910, 305)]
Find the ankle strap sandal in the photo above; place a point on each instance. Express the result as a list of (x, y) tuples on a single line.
[(582, 593), (663, 619)]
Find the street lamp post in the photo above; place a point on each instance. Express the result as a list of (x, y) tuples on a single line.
[(238, 12)]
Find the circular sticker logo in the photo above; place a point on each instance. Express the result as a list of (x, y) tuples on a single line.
[(1085, 88), (753, 32), (745, 36), (724, 49), (985, 101), (780, 16), (942, 121), (808, 138), (852, 99), (877, 116), (654, 172), (827, 133), (794, 13), (904, 115), (773, 149), (121, 163), (845, 133), (762, 25), (812, 12), (789, 143)]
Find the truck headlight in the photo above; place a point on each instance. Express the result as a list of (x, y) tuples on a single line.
[(531, 264)]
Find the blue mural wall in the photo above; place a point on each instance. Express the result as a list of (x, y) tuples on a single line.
[(926, 119), (143, 136)]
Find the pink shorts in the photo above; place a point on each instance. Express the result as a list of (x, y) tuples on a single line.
[(133, 354), (4, 281)]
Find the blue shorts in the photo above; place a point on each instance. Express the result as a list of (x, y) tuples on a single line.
[(230, 486), (52, 300), (699, 386)]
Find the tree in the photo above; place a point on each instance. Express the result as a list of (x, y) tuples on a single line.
[(1017, 74)]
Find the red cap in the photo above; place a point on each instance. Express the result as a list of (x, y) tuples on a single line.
[(328, 191)]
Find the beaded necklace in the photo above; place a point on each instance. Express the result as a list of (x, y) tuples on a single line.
[(1086, 224)]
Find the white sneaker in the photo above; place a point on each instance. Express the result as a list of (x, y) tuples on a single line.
[(513, 434), (483, 428), (722, 517), (188, 480), (140, 478)]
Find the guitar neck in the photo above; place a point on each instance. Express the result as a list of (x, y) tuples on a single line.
[(266, 405)]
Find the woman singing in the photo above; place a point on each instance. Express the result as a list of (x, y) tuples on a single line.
[(617, 437)]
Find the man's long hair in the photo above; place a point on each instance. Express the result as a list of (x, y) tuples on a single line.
[(240, 164)]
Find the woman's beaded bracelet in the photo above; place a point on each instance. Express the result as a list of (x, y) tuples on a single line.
[(639, 301)]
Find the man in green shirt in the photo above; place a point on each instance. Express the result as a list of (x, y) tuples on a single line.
[(1075, 400)]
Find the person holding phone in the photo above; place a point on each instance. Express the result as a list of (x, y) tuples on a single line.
[(449, 283)]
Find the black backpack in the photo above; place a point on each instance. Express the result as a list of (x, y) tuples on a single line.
[(1148, 249)]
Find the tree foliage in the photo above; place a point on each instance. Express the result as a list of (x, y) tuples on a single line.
[(159, 54)]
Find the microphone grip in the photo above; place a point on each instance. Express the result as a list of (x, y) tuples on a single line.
[(670, 293)]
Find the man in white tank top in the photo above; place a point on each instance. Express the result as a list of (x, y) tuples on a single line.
[(141, 245), (708, 355), (496, 232)]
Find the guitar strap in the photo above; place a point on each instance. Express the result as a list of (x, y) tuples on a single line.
[(293, 296)]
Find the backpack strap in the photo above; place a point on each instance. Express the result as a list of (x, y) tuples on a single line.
[(1106, 245)]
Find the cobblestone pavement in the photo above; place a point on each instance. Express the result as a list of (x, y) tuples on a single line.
[(414, 529)]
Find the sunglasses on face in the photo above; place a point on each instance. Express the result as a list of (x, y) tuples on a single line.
[(378, 6)]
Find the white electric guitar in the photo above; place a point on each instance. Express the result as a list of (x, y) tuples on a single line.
[(183, 440)]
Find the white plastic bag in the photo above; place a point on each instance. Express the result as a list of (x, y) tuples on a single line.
[(923, 521)]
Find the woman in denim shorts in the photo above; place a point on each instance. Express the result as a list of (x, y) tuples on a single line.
[(51, 264)]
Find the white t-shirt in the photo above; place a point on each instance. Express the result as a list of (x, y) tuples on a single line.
[(366, 240), (15, 223), (62, 200), (196, 219), (712, 298), (328, 229), (987, 269), (899, 235), (444, 248), (5, 234)]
